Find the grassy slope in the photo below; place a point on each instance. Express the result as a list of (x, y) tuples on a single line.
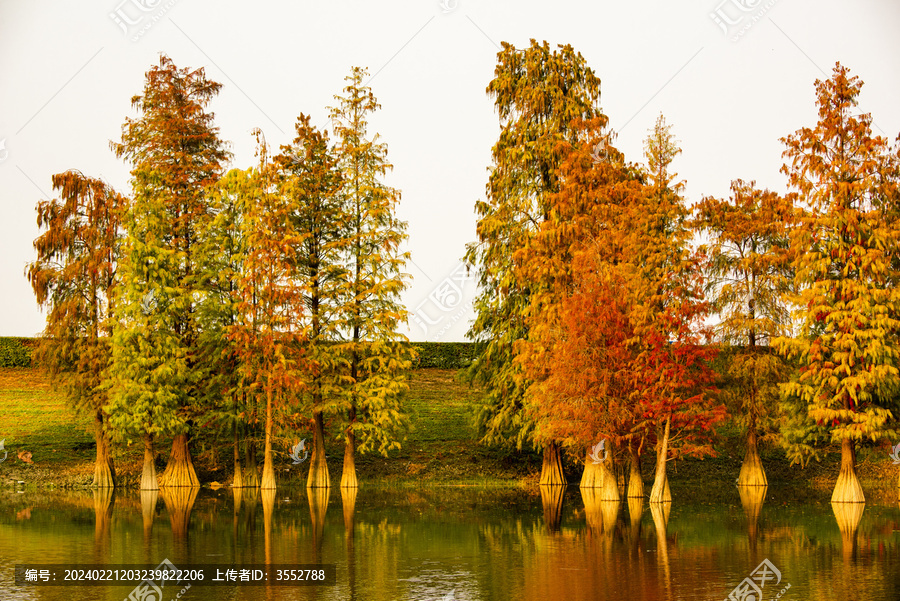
[(440, 448)]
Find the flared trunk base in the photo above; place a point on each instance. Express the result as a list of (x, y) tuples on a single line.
[(318, 467), (635, 480), (104, 470), (752, 472), (149, 480), (551, 469), (848, 488), (598, 478), (180, 468), (348, 476)]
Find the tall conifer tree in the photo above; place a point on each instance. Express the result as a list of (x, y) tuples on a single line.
[(845, 252), (74, 276), (176, 155), (541, 96), (376, 354)]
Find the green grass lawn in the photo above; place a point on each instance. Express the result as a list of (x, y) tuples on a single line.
[(441, 447), (34, 417)]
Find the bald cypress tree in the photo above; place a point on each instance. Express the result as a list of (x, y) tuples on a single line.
[(74, 276), (175, 154), (541, 96), (375, 353), (308, 182), (845, 253)]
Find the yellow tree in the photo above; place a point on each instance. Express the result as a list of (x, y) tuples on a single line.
[(309, 181), (541, 96), (846, 246), (268, 335), (748, 278), (376, 355), (222, 252), (74, 276), (176, 156)]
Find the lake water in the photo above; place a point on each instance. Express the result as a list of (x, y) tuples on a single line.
[(466, 543)]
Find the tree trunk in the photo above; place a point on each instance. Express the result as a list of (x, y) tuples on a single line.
[(268, 503), (848, 489), (848, 516), (552, 500), (180, 469), (148, 510), (179, 504), (635, 513), (238, 480), (348, 501), (104, 500), (251, 470), (752, 472), (599, 514), (148, 474), (660, 514), (598, 477), (752, 498), (348, 477), (552, 470), (660, 491), (318, 467), (268, 475), (318, 505), (104, 470), (635, 480)]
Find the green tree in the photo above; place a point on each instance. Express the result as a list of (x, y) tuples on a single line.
[(377, 355), (541, 96), (269, 337), (748, 282), (176, 155), (845, 249), (309, 181), (73, 277), (222, 252)]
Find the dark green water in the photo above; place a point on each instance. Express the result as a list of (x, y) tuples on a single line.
[(464, 544)]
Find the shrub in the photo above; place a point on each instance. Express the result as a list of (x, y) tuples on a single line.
[(15, 352), (444, 355)]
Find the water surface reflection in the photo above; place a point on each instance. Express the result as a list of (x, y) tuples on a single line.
[(463, 543)]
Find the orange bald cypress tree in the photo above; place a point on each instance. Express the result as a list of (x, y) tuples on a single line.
[(846, 251), (74, 275), (748, 282), (541, 96)]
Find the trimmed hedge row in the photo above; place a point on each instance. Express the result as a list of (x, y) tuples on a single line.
[(15, 352), (445, 355)]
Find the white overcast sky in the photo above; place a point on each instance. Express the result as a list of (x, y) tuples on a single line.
[(730, 89)]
